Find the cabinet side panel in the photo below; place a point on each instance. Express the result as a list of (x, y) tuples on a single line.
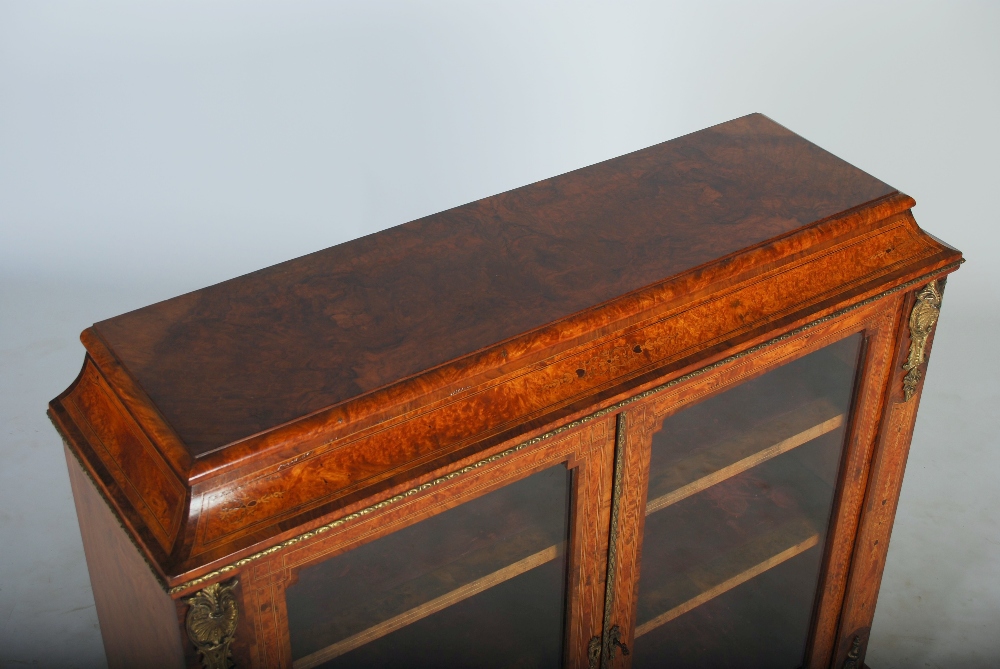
[(139, 621), (139, 472)]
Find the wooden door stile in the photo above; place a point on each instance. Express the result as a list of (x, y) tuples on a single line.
[(589, 531), (885, 477), (878, 328), (633, 447)]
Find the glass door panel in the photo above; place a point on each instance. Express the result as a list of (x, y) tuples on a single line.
[(740, 497), (480, 585)]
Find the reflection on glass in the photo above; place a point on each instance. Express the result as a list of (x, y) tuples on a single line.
[(740, 497), (479, 585)]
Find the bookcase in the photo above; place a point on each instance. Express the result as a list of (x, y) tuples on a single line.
[(653, 412)]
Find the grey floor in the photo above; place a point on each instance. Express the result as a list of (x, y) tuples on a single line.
[(148, 150)]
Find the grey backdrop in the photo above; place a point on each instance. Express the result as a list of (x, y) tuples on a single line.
[(148, 149)]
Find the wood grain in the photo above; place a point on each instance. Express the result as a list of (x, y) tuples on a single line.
[(140, 624), (138, 469), (241, 417), (628, 546), (591, 519), (292, 339), (586, 450), (880, 330), (292, 393), (891, 450), (333, 471), (879, 321)]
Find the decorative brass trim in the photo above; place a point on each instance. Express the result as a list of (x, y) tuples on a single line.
[(922, 320), (366, 511), (594, 652), (611, 635), (854, 654), (211, 623), (615, 641), (542, 437), (601, 649)]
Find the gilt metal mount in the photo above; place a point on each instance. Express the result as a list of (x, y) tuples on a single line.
[(594, 652), (922, 320), (854, 654), (211, 623), (601, 654)]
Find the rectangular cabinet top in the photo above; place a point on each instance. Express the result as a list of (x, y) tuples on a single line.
[(223, 418), (249, 354)]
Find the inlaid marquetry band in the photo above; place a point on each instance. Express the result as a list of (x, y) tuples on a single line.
[(254, 557)]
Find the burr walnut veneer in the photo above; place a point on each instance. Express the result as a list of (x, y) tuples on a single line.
[(654, 412)]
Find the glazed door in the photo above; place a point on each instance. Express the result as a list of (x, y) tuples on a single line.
[(480, 585), (738, 506), (497, 564), (708, 522), (740, 484)]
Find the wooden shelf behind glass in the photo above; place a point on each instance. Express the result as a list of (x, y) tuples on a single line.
[(728, 462), (405, 577), (430, 607), (723, 459)]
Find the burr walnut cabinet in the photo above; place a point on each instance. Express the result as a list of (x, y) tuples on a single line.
[(653, 413)]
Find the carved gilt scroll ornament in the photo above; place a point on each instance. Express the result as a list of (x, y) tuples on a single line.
[(922, 320), (211, 623)]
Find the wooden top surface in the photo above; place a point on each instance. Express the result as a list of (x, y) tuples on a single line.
[(241, 357)]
